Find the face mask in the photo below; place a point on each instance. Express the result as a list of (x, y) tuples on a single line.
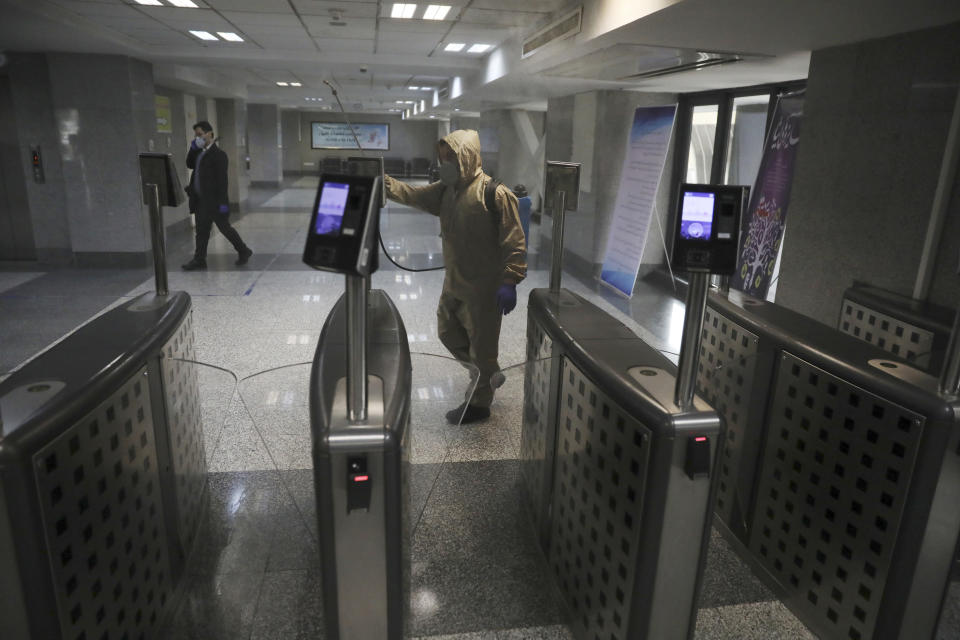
[(201, 142), (449, 173)]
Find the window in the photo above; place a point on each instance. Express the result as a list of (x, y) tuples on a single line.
[(703, 132), (748, 122)]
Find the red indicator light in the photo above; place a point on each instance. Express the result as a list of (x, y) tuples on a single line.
[(361, 478), (701, 438)]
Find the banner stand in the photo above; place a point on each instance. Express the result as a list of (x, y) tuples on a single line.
[(643, 162)]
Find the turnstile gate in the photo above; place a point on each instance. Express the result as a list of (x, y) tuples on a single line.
[(361, 476), (618, 477)]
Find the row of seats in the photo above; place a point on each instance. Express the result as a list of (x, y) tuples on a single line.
[(415, 168)]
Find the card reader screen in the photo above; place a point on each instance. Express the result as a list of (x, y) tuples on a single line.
[(696, 216), (333, 201)]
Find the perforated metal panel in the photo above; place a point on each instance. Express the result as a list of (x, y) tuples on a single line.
[(182, 395), (836, 472), (896, 336), (533, 440), (99, 492), (725, 378), (602, 459)]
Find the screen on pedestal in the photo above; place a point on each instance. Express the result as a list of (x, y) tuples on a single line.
[(333, 202), (707, 227), (696, 215)]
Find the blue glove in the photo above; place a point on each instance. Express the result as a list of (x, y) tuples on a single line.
[(224, 208), (506, 298)]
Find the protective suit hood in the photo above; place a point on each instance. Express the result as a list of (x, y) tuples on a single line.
[(466, 144)]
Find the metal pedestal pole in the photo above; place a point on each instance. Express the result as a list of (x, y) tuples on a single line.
[(690, 346)]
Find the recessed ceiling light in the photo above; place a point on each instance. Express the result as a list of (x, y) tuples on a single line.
[(408, 102), (204, 35), (401, 102), (414, 88), (184, 4), (436, 12), (283, 84), (150, 3), (478, 48), (454, 46), (229, 36), (295, 84), (426, 88), (403, 10)]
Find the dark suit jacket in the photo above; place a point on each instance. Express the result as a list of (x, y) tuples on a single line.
[(213, 180)]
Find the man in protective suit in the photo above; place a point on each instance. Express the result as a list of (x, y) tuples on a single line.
[(484, 255)]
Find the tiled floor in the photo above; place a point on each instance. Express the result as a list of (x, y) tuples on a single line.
[(477, 572)]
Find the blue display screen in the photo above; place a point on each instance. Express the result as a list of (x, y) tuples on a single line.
[(333, 201), (696, 216)]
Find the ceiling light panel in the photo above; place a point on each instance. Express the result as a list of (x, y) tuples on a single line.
[(436, 12), (150, 3), (413, 88), (403, 11), (296, 84), (283, 84), (478, 48), (454, 46), (184, 4), (204, 35), (229, 36)]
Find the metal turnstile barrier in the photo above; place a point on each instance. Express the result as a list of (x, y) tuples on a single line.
[(915, 331), (616, 475), (361, 476), (102, 476), (839, 478)]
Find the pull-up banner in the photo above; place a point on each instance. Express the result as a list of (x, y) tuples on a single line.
[(639, 180), (767, 214)]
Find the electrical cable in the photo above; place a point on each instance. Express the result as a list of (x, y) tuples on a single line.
[(360, 147)]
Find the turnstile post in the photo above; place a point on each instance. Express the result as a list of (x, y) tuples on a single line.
[(556, 258), (690, 345), (157, 240), (357, 348), (950, 376)]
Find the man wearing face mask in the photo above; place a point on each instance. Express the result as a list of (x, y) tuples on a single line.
[(208, 196), (484, 254)]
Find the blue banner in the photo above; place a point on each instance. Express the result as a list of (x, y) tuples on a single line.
[(639, 180)]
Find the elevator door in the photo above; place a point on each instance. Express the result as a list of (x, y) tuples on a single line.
[(16, 230)]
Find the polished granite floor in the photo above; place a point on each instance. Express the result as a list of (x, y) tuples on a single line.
[(477, 572)]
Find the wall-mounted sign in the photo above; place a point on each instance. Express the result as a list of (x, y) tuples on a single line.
[(337, 135)]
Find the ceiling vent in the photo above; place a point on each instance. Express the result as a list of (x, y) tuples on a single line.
[(636, 62), (336, 18), (568, 25)]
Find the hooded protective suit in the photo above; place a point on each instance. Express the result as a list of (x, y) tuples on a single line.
[(481, 250)]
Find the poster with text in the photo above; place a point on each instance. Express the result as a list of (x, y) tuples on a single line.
[(337, 135), (766, 215), (164, 119), (639, 180)]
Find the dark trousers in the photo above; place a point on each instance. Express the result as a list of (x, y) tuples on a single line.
[(205, 222)]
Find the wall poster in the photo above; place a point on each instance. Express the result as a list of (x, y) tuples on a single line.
[(164, 117), (337, 135)]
